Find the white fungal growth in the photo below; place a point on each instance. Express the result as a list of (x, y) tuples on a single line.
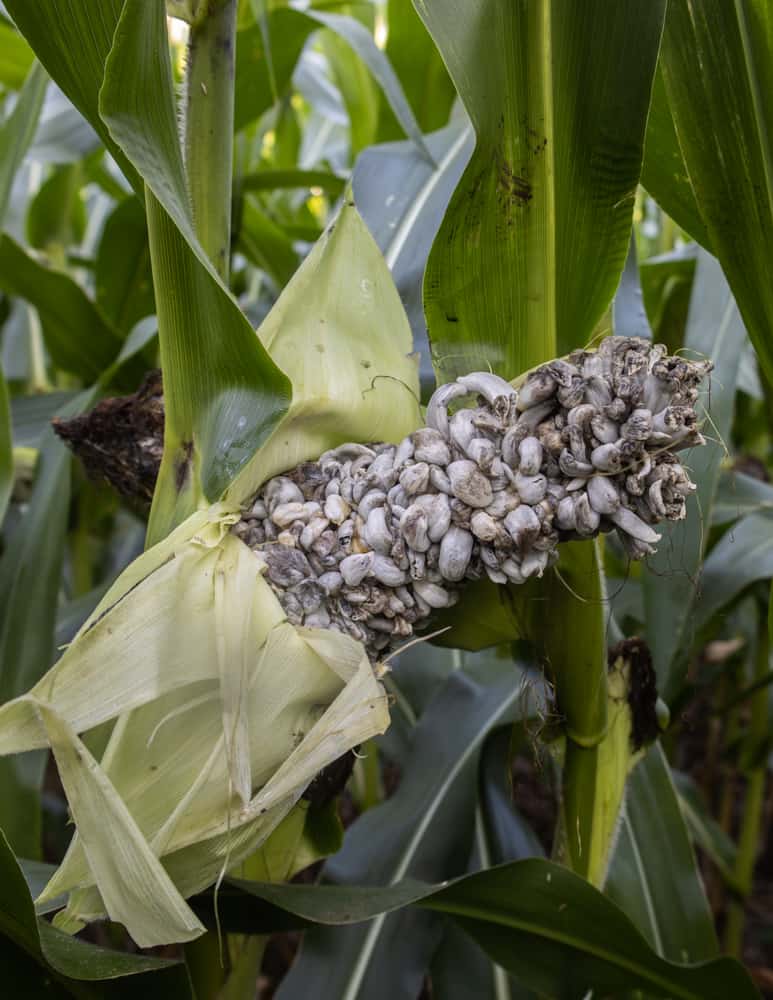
[(370, 540)]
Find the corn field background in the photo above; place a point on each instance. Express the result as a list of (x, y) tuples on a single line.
[(560, 786)]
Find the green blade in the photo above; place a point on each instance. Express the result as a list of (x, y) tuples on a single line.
[(716, 59), (715, 330), (16, 57), (426, 827), (550, 928), (72, 39), (742, 556), (6, 448), (678, 925), (78, 337), (18, 130), (420, 69), (361, 44), (535, 238), (69, 961), (664, 173), (124, 282), (29, 589)]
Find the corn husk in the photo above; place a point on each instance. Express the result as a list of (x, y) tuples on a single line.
[(233, 713), (340, 332), (224, 712)]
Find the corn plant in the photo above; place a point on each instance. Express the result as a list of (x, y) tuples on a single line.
[(409, 583)]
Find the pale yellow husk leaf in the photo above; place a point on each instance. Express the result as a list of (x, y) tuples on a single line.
[(339, 331), (165, 788)]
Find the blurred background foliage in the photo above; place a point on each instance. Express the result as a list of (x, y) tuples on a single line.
[(358, 93)]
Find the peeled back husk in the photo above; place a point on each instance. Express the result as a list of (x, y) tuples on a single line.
[(200, 770)]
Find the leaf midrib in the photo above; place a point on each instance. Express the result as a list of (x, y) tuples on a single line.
[(546, 50)]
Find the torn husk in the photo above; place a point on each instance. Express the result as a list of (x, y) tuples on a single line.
[(198, 770)]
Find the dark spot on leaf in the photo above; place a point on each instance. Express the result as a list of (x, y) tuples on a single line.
[(515, 186), (182, 465), (366, 364), (452, 319)]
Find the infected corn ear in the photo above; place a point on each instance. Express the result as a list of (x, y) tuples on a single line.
[(369, 540)]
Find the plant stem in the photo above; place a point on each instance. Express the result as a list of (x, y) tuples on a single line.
[(209, 128), (748, 841), (202, 957)]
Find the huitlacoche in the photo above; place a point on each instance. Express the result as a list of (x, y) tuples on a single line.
[(369, 540)]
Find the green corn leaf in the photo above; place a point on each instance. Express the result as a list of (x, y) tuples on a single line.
[(223, 395), (715, 330), (263, 73), (124, 282), (739, 494), (705, 831), (716, 62), (264, 69), (274, 180), (420, 69), (357, 88), (74, 966), (664, 173), (265, 244), (360, 42), (72, 38), (534, 241), (16, 57), (78, 337), (742, 556), (56, 217), (18, 130), (666, 284), (29, 588), (6, 448), (678, 924), (460, 969), (551, 929)]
